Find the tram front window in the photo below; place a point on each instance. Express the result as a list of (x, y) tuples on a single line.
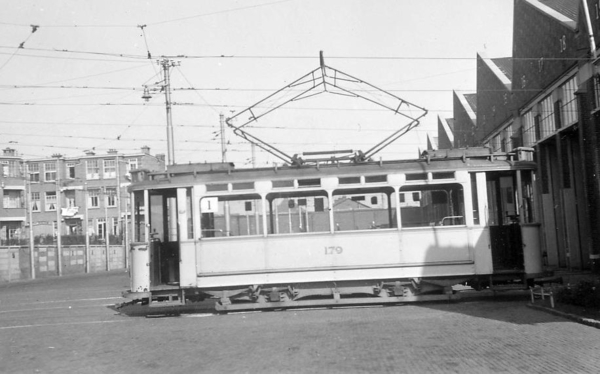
[(435, 205)]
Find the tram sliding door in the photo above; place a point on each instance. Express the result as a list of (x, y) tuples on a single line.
[(505, 230), (164, 245)]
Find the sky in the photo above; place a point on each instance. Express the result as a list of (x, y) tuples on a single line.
[(78, 80)]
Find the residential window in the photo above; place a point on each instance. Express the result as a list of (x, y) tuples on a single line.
[(132, 164), (35, 202), (10, 168), (71, 170), (93, 199), (92, 169), (111, 197), (110, 170), (101, 227), (34, 172), (70, 199), (12, 199), (49, 171), (114, 226), (50, 201)]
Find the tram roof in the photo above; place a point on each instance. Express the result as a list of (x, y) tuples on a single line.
[(473, 159)]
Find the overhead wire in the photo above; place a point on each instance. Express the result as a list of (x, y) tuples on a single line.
[(21, 46)]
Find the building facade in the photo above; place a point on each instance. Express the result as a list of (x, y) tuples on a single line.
[(546, 96), (69, 195)]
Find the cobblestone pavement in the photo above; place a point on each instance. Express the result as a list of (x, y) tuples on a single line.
[(67, 326)]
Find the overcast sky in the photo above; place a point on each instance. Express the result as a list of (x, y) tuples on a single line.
[(78, 80)]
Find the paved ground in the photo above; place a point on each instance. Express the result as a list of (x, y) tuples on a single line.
[(67, 326)]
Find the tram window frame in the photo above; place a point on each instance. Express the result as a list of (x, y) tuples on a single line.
[(427, 214), (369, 218), (216, 227), (293, 221), (139, 217)]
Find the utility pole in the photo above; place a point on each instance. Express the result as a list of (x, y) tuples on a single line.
[(223, 141), (30, 218), (106, 236), (166, 87), (166, 65), (86, 228), (224, 160), (58, 215)]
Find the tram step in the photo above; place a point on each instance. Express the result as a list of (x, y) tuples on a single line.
[(158, 301), (508, 287)]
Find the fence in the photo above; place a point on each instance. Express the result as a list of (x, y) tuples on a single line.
[(15, 261)]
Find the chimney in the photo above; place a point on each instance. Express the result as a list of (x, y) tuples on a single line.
[(9, 152), (89, 152), (146, 150), (112, 151)]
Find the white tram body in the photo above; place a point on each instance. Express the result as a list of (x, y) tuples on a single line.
[(393, 231)]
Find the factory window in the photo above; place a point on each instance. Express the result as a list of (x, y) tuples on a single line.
[(547, 122), (568, 108)]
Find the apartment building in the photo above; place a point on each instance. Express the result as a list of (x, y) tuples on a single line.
[(70, 195)]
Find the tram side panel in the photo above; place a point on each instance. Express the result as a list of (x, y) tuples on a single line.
[(360, 255)]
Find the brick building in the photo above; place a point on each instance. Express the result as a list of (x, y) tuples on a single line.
[(58, 193), (547, 96)]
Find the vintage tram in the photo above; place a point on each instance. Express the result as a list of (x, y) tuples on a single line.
[(334, 233)]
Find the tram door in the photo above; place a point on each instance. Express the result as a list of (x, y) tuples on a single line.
[(164, 245), (505, 230)]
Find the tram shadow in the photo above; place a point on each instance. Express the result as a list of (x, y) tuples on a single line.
[(144, 310), (507, 306)]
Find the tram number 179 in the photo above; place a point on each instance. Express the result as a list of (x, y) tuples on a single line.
[(333, 250)]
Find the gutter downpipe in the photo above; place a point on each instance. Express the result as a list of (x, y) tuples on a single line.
[(594, 252)]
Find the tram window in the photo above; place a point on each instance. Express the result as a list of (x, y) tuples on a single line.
[(190, 220), (363, 209), (231, 216), (298, 213), (433, 205), (527, 213), (139, 220), (475, 198)]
